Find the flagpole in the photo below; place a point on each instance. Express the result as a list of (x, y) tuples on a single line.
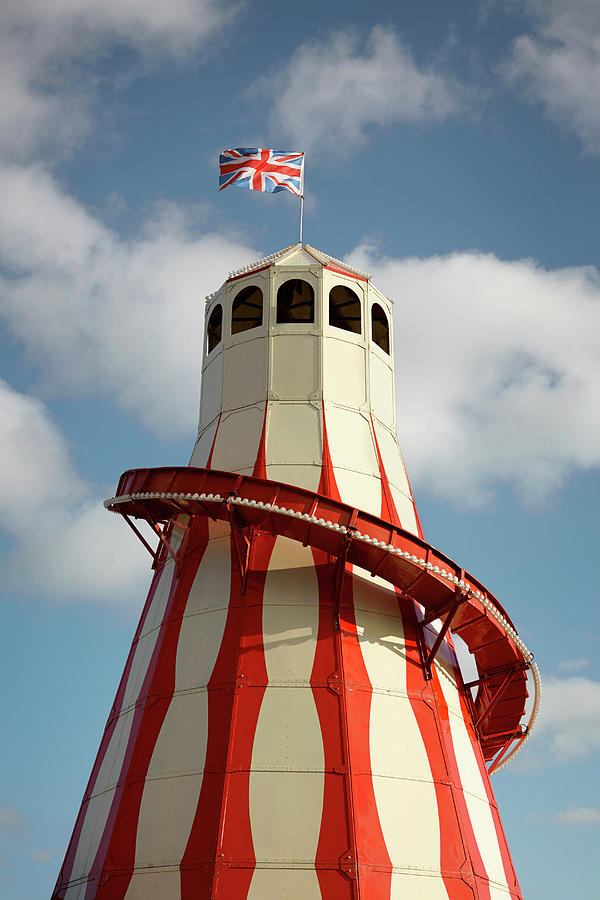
[(301, 200)]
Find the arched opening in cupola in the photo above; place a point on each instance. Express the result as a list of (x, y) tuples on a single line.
[(214, 330), (247, 309), (344, 309), (380, 328), (295, 301)]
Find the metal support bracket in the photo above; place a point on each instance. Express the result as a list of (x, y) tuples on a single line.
[(177, 557), (163, 542), (242, 543), (497, 695), (141, 537), (338, 579), (428, 656)]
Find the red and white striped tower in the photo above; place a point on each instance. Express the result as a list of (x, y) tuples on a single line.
[(292, 722)]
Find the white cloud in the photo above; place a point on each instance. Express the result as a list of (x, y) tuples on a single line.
[(573, 665), (569, 725), (497, 371), (578, 815), (64, 544), (558, 64), (179, 23), (46, 50), (99, 314), (505, 354), (11, 819), (332, 92), (36, 470)]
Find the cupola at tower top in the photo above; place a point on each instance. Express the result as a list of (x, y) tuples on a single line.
[(297, 344)]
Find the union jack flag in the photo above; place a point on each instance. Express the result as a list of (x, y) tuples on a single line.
[(261, 170)]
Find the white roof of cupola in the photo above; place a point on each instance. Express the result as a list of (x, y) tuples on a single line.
[(298, 255)]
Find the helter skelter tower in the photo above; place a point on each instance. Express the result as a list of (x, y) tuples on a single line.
[(292, 723)]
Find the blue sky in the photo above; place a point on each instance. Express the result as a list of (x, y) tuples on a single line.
[(453, 150)]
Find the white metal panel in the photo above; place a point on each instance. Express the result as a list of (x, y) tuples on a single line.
[(98, 807), (91, 833), (382, 390), (76, 892), (402, 778), (293, 434), (405, 509), (211, 390), (284, 884), (300, 476), (294, 443), (497, 892), (409, 820), (350, 440), (295, 367), (354, 460), (166, 817), (287, 777), (470, 775), (398, 753), (446, 665), (154, 885), (374, 595), (382, 637), (362, 491), (202, 447), (141, 660), (392, 458), (238, 439), (285, 556), (417, 887), (285, 815), (245, 373), (474, 791), (110, 770), (209, 592), (160, 599), (181, 745), (175, 771), (344, 378), (288, 736)]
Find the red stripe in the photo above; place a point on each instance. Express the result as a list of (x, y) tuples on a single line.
[(345, 720), (251, 272), (236, 835), (331, 268), (336, 858), (267, 166), (67, 867), (389, 511), (419, 529), (473, 870), (116, 853), (327, 483), (212, 446), (453, 852), (256, 178), (219, 858), (260, 464), (336, 849), (507, 863)]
